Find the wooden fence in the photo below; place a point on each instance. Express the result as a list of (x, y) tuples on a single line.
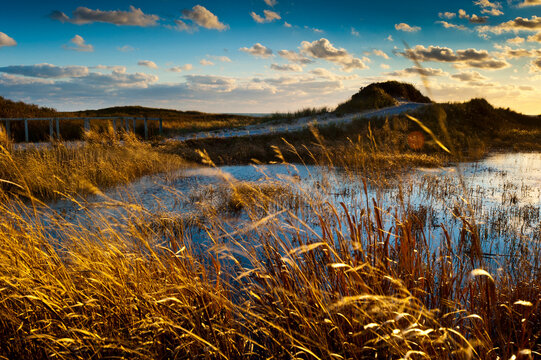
[(54, 124)]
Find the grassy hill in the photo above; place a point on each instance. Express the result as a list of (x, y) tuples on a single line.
[(12, 109), (380, 95)]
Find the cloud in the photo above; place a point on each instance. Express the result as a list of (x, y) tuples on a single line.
[(220, 58), (535, 65), (519, 24), (535, 38), (490, 8), (461, 58), (323, 49), (452, 26), (526, 3), (287, 25), (418, 71), (148, 63), (354, 32), (384, 66), (287, 67), (407, 28), (115, 68), (79, 44), (389, 38), (474, 19), (125, 48), (202, 17), (258, 50), (447, 15), (83, 15), (210, 82), (182, 26), (268, 16), (271, 2), (381, 53), (469, 76), (46, 71), (295, 57), (510, 53), (515, 41), (206, 62), (178, 69), (6, 40)]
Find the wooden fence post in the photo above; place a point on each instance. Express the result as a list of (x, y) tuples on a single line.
[(133, 120), (126, 125), (8, 129), (51, 132), (26, 137), (87, 124), (57, 128), (146, 128)]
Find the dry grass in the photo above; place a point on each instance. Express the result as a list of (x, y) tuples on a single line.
[(308, 281), (69, 169)]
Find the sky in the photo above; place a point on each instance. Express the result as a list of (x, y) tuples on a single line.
[(261, 56)]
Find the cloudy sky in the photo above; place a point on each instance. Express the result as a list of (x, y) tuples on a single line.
[(266, 55)]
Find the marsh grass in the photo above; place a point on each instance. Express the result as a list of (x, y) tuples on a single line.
[(68, 169), (302, 280)]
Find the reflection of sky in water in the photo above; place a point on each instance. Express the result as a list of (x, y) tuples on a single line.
[(502, 191)]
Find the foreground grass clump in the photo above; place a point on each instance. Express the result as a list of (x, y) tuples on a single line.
[(69, 169)]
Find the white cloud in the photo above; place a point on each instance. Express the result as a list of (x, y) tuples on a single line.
[(295, 57), (148, 63), (354, 32), (385, 66), (6, 40), (412, 71), (206, 62), (515, 41), (535, 38), (516, 25), (447, 15), (268, 16), (287, 67), (287, 25), (178, 69), (323, 49), (271, 2), (526, 3), (469, 76), (461, 58), (202, 17), (83, 15), (407, 28), (490, 8), (389, 38), (210, 82), (452, 26), (125, 48), (220, 58), (46, 71), (258, 50), (79, 44), (381, 53)]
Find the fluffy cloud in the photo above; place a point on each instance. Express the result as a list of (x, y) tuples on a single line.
[(46, 71), (323, 49), (510, 53), (418, 71), (474, 19), (79, 44), (148, 63), (469, 76), (258, 50), (461, 58), (295, 57), (381, 53), (6, 40), (519, 24), (447, 15), (535, 38), (268, 16), (526, 3), (448, 25), (178, 69), (535, 65), (354, 32), (406, 27), (206, 62), (83, 15), (515, 41), (271, 2), (490, 8), (287, 67), (202, 17), (220, 58), (210, 82)]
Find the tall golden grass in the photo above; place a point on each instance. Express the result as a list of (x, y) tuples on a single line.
[(300, 280)]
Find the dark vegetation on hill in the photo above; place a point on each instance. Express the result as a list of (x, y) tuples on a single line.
[(12, 109), (380, 95)]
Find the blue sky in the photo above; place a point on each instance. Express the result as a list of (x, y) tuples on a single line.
[(266, 55)]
